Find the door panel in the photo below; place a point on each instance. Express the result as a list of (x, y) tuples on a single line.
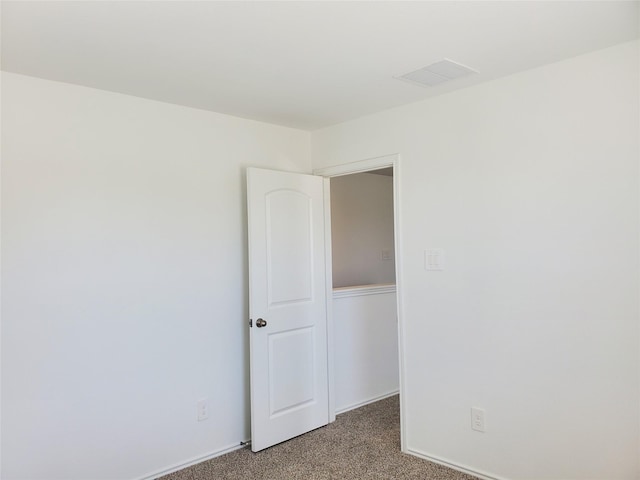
[(289, 247), (291, 384), (289, 391)]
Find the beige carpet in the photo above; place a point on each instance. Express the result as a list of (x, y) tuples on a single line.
[(360, 444)]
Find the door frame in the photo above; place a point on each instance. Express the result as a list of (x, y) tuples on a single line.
[(363, 166)]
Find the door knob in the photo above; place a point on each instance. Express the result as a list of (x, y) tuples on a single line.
[(261, 323)]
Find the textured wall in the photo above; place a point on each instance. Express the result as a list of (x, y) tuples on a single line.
[(124, 289), (530, 184)]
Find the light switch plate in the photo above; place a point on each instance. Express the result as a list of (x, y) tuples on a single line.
[(434, 259)]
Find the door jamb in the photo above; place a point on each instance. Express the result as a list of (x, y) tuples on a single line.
[(362, 166)]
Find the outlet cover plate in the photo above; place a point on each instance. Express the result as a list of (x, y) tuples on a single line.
[(477, 419), (203, 409)]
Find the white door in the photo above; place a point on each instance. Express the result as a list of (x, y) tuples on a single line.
[(288, 337)]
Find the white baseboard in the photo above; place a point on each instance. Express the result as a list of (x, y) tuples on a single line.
[(190, 462), (366, 402), (453, 465)]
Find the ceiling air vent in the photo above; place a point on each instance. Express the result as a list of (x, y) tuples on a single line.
[(437, 73)]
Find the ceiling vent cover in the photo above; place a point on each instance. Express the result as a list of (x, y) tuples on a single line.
[(437, 73)]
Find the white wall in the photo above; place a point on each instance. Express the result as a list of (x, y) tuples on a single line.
[(530, 184), (124, 279), (361, 227), (365, 345), (124, 272)]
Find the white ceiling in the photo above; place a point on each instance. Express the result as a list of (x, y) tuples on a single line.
[(300, 64)]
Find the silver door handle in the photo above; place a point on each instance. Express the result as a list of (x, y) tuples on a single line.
[(261, 323)]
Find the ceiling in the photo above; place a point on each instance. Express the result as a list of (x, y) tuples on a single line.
[(300, 64)]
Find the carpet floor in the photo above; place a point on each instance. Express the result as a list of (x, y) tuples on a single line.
[(361, 444)]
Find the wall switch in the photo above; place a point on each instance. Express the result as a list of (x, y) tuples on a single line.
[(477, 419), (203, 409), (434, 259), (385, 254)]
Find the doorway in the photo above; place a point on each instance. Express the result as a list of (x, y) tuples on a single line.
[(292, 352), (377, 296), (364, 288)]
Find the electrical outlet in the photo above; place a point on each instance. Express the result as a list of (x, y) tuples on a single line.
[(477, 419), (203, 409)]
